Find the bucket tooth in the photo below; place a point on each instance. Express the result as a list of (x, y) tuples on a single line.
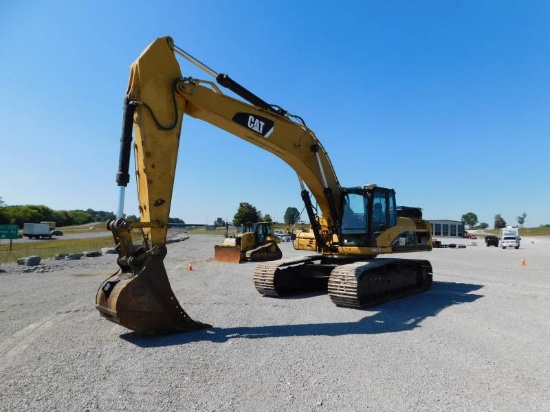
[(143, 301)]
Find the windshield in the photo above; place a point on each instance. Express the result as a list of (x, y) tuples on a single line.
[(354, 220)]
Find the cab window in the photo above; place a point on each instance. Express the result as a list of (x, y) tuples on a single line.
[(354, 220)]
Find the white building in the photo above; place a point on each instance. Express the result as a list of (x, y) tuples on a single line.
[(447, 228)]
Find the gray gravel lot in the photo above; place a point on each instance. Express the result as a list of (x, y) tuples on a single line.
[(478, 341)]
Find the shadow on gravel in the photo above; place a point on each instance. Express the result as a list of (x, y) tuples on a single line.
[(395, 316)]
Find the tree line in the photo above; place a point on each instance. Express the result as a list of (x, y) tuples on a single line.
[(471, 220), (248, 214), (20, 214)]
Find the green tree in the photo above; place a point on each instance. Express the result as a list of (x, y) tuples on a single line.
[(63, 218), (4, 220), (267, 218), (483, 225), (470, 219), (175, 220), (521, 219), (100, 215), (79, 217), (246, 215), (292, 215), (22, 214), (499, 222), (132, 218)]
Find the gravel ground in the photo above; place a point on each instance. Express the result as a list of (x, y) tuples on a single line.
[(477, 341)]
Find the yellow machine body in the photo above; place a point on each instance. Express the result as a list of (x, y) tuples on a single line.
[(350, 226), (253, 244)]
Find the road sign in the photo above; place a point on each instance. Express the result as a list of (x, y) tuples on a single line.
[(9, 231)]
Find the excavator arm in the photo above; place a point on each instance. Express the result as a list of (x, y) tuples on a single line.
[(138, 296), (159, 97)]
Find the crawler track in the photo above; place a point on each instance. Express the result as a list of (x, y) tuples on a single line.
[(360, 285), (343, 286), (282, 277), (353, 285)]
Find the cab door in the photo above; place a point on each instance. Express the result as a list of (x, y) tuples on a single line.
[(383, 215)]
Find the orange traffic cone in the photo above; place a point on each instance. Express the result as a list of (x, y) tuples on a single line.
[(522, 262), (190, 267)]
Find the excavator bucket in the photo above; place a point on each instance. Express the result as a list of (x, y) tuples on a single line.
[(227, 254), (143, 301)]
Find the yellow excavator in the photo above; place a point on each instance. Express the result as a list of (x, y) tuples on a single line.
[(255, 243), (349, 226)]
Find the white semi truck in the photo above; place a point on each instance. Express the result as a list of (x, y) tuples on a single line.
[(509, 237)]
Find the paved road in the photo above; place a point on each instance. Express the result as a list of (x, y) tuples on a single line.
[(80, 235)]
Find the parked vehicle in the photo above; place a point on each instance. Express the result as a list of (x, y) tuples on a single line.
[(285, 237), (509, 237), (491, 240), (256, 243), (40, 230)]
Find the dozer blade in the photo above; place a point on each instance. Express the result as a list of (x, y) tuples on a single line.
[(227, 254), (144, 301)]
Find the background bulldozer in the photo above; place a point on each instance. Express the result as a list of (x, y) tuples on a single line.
[(255, 243)]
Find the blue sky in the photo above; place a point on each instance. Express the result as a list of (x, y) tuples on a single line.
[(445, 101)]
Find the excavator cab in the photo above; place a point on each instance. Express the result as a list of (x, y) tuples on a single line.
[(261, 231), (372, 219), (366, 213)]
